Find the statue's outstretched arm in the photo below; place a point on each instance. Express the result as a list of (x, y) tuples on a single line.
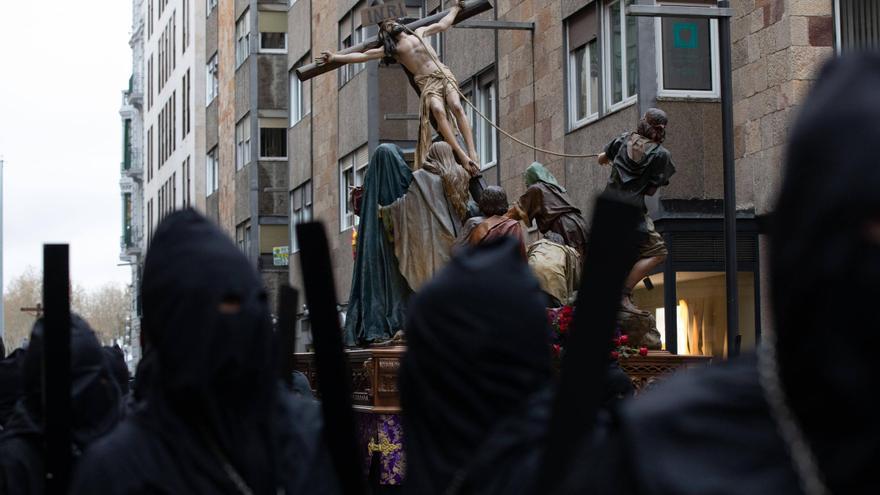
[(443, 24), (350, 58)]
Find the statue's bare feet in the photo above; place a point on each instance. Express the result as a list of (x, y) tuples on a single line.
[(626, 304)]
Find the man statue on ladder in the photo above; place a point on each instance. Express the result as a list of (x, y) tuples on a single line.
[(437, 86)]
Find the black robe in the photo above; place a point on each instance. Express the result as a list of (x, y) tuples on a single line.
[(95, 409)]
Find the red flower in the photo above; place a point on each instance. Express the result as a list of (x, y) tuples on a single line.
[(624, 339), (616, 341), (615, 354), (567, 311), (643, 351)]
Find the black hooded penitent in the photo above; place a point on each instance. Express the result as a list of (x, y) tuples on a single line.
[(714, 433), (478, 351), (214, 418), (95, 406)]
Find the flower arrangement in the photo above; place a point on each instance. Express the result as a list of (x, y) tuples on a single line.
[(622, 349), (560, 321)]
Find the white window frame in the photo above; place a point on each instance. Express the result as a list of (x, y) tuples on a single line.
[(606, 64), (592, 113), (347, 218), (272, 50), (714, 53), (474, 90), (212, 171), (243, 142), (296, 112), (242, 38), (212, 80), (210, 5), (300, 212), (485, 131)]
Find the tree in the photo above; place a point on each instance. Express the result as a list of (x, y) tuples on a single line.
[(105, 308), (24, 291)]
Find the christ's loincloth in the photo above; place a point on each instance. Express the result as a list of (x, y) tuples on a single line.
[(438, 83)]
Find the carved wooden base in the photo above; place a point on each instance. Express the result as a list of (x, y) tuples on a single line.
[(374, 373)]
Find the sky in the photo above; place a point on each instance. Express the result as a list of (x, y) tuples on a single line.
[(63, 66)]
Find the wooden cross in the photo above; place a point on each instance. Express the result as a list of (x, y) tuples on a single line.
[(36, 310), (471, 8)]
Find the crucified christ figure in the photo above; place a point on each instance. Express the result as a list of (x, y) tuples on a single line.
[(438, 97)]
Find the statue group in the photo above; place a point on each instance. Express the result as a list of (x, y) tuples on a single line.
[(413, 218)]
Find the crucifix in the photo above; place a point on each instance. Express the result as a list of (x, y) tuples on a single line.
[(439, 98)]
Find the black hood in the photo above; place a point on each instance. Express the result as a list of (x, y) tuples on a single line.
[(207, 328), (116, 361), (825, 268), (11, 383), (478, 349), (95, 398)]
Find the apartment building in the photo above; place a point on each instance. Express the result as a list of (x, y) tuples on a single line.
[(173, 119), (131, 181), (245, 158)]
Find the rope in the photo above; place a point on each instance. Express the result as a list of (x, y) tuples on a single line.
[(489, 121)]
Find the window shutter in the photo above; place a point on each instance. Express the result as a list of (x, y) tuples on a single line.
[(273, 22), (583, 27), (362, 156)]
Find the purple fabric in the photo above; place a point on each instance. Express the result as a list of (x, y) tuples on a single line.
[(383, 433)]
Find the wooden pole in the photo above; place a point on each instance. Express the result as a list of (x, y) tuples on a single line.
[(56, 366), (471, 9), (334, 376), (580, 393)]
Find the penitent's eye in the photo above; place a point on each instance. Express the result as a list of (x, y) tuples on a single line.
[(229, 305)]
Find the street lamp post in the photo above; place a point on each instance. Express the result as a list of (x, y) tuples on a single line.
[(723, 13), (2, 313)]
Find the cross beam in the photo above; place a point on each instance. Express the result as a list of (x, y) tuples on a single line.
[(471, 9)]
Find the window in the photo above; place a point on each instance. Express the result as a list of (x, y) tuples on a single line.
[(299, 101), (857, 25), (209, 6), (243, 237), (300, 211), (350, 34), (212, 79), (150, 82), (150, 154), (273, 141), (173, 34), (621, 66), (481, 91), (185, 105), (150, 18), (583, 66), (273, 32), (184, 30), (436, 41), (243, 142), (212, 172), (352, 169), (687, 57), (185, 175), (242, 42)]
